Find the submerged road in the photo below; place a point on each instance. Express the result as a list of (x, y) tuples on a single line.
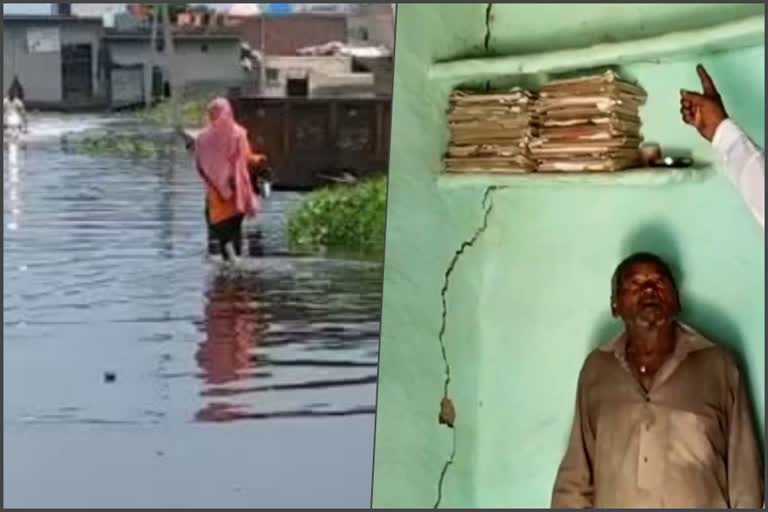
[(139, 373)]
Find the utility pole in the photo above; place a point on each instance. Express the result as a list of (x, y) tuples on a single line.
[(262, 53), (149, 69), (170, 66)]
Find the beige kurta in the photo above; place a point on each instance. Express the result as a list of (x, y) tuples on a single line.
[(687, 443)]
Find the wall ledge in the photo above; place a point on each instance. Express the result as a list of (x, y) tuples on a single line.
[(727, 36), (641, 177)]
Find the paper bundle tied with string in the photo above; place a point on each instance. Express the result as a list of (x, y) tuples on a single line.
[(588, 124), (491, 132)]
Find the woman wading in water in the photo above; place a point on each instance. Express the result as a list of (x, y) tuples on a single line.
[(222, 156)]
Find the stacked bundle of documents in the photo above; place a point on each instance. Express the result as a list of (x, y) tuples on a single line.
[(588, 124), (491, 132)]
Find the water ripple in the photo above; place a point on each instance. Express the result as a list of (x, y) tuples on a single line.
[(106, 272)]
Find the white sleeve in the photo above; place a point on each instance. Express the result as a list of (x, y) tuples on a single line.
[(744, 165)]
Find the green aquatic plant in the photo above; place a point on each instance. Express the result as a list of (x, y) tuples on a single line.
[(118, 145), (192, 111), (342, 217)]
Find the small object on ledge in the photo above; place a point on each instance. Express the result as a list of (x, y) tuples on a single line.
[(650, 152), (672, 162)]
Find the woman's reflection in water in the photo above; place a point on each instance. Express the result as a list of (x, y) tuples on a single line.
[(234, 329), (13, 202)]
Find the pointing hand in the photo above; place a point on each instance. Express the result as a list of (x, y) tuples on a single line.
[(704, 111)]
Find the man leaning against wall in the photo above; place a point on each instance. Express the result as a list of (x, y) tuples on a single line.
[(662, 415)]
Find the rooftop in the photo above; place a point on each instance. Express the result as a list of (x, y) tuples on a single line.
[(120, 35), (292, 16), (47, 18)]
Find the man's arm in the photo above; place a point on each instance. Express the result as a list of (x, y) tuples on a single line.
[(744, 162), (745, 473), (574, 484), (744, 165)]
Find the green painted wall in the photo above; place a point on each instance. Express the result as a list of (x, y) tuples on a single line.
[(425, 228), (527, 302), (537, 28)]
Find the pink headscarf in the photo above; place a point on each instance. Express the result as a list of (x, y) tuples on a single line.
[(221, 150)]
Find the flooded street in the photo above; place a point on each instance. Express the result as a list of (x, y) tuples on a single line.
[(140, 373)]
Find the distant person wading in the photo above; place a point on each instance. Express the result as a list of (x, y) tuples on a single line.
[(222, 156), (14, 112)]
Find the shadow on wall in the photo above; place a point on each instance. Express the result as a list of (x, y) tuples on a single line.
[(706, 318)]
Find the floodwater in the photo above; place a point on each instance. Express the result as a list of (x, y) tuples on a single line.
[(140, 373)]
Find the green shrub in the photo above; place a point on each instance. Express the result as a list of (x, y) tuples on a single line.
[(345, 217)]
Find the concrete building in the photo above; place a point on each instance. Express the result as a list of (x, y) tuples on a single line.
[(372, 24), (330, 75), (318, 8), (201, 60), (383, 71), (58, 60), (72, 63), (285, 35), (106, 12), (319, 71), (241, 10)]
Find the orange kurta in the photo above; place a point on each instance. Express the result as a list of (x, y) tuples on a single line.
[(220, 209)]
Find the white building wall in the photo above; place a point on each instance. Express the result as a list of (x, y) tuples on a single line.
[(318, 67), (40, 73), (218, 65), (106, 12), (8, 57)]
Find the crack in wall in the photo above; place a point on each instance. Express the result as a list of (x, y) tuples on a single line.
[(487, 205), (444, 471), (487, 42), (488, 10)]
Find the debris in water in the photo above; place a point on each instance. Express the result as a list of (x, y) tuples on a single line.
[(447, 412)]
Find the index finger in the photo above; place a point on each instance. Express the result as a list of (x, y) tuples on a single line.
[(707, 84)]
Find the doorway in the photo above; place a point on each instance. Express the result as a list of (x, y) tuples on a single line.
[(76, 72)]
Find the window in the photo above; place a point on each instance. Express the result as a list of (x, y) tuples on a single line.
[(272, 75)]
